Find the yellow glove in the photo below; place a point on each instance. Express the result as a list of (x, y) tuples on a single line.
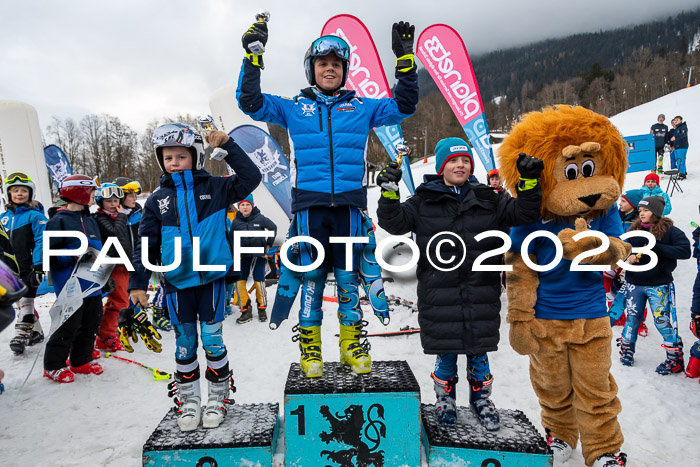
[(126, 329), (148, 333)]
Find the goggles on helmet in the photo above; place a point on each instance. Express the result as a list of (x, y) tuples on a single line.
[(327, 45), (172, 134), (111, 192), (15, 176), (11, 287), (132, 187), (83, 183)]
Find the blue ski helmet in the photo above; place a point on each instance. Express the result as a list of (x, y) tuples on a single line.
[(321, 47), (108, 190)]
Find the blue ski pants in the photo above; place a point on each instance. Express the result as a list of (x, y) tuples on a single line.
[(662, 304)]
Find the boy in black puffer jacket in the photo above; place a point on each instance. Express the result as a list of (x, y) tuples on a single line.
[(458, 307), (248, 218)]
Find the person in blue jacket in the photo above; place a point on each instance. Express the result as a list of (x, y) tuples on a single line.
[(25, 222), (329, 128), (188, 213), (651, 188), (679, 143), (654, 285), (75, 337)]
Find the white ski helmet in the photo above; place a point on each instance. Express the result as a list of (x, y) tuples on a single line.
[(19, 179), (178, 134)]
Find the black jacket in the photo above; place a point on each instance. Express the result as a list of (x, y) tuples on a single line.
[(674, 245), (659, 130), (681, 135), (115, 227), (459, 310), (255, 221)]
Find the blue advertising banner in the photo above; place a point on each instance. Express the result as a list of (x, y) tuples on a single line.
[(390, 136), (267, 155), (57, 163)]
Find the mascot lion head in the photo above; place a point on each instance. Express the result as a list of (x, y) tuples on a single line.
[(585, 160)]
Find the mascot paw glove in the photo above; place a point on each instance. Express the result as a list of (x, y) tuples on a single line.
[(573, 248), (524, 336)]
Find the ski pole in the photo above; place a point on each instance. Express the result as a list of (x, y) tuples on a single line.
[(157, 374)]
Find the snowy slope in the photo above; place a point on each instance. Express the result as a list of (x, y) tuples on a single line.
[(104, 420)]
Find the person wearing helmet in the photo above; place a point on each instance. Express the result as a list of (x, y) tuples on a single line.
[(25, 223), (329, 127), (75, 337), (112, 222), (188, 213), (494, 180)]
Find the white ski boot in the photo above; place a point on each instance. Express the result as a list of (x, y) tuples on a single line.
[(215, 410), (190, 410), (561, 451)]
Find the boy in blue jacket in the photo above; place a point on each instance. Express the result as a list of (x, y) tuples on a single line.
[(329, 127), (188, 213), (75, 337)]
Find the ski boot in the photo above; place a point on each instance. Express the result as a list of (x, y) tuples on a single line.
[(352, 353), (246, 314), (479, 392), (611, 460), (446, 404), (160, 319), (62, 375), (188, 400), (561, 451), (111, 344), (262, 314), (218, 401), (23, 332), (674, 360), (310, 347), (37, 335), (693, 368), (626, 351), (90, 368)]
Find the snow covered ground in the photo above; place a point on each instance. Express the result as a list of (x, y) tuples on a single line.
[(104, 420)]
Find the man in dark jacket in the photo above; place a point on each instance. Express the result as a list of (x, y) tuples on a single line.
[(659, 130), (459, 301), (679, 141), (248, 218)]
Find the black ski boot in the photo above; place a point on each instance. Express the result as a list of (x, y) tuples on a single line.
[(626, 351), (674, 360), (479, 393), (246, 314), (446, 403), (23, 334)]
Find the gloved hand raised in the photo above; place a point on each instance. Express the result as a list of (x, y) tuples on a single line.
[(252, 39), (529, 167), (216, 138), (388, 178), (402, 39)]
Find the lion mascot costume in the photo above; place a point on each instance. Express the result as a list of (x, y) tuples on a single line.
[(558, 316)]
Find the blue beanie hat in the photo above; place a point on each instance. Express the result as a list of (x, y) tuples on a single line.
[(633, 197), (448, 148), (247, 199)]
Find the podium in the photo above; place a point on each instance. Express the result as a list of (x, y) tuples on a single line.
[(247, 437), (343, 419), (517, 443)]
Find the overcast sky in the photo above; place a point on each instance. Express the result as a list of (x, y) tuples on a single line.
[(141, 60)]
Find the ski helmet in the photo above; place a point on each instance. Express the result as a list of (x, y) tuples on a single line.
[(178, 134), (20, 179), (106, 191), (77, 189), (128, 185), (321, 47)]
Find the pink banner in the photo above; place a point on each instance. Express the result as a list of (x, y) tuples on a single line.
[(442, 52), (366, 75)]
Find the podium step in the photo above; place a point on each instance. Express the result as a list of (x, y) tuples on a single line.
[(247, 436), (517, 443), (344, 419)]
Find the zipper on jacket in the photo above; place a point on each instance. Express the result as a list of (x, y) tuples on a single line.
[(320, 118), (330, 141), (189, 225)]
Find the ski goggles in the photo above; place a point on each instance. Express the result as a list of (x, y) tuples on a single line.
[(83, 183), (174, 134), (11, 287), (111, 192), (17, 176), (327, 45), (132, 187)]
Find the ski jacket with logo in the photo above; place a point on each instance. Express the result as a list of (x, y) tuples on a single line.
[(659, 130), (25, 226), (64, 220), (115, 227), (254, 222), (328, 143), (192, 204), (657, 191), (681, 135), (458, 310)]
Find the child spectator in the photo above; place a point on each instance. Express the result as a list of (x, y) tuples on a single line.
[(651, 188), (25, 222), (249, 219), (654, 285), (191, 204), (75, 337), (494, 180), (450, 323)]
